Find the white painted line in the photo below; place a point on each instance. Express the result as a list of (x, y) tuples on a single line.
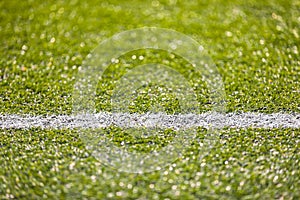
[(182, 121)]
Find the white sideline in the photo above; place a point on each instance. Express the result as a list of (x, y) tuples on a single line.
[(181, 121)]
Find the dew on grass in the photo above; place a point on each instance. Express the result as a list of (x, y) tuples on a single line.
[(228, 34), (115, 60), (228, 188), (24, 47), (52, 40), (262, 42)]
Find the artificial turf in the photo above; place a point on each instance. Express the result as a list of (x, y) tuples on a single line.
[(244, 164), (254, 44)]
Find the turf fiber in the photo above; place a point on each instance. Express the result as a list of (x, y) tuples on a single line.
[(255, 46)]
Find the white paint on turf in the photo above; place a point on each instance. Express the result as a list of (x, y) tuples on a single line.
[(181, 121)]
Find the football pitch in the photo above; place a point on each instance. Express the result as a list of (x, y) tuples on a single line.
[(150, 125)]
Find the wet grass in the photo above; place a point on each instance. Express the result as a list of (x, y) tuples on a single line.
[(255, 46)]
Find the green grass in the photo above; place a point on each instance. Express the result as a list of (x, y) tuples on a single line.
[(259, 61), (54, 164), (254, 44)]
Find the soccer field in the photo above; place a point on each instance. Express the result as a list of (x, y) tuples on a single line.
[(235, 134)]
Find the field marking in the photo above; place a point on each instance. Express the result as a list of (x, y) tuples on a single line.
[(148, 120)]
